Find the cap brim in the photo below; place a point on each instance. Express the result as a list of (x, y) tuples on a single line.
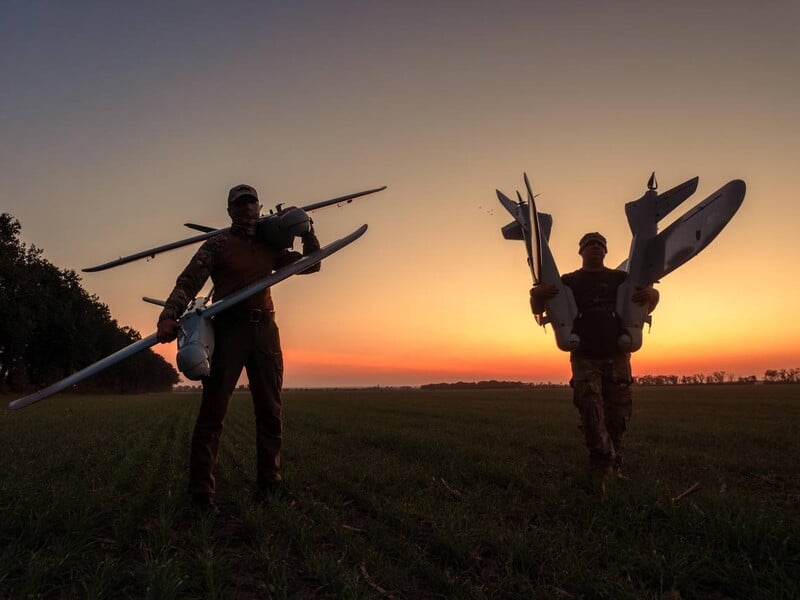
[(602, 245), (242, 199)]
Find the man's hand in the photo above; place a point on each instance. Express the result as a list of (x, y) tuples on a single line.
[(544, 291), (310, 236), (167, 330), (541, 293), (646, 296)]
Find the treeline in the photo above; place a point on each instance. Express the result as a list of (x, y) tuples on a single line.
[(715, 378), (720, 377), (51, 327)]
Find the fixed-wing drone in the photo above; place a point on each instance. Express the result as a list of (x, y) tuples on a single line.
[(652, 255), (196, 335)]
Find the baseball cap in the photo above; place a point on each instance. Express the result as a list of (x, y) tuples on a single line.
[(592, 237), (240, 192)]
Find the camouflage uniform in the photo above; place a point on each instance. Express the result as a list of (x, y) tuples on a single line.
[(246, 336), (602, 395), (601, 373)]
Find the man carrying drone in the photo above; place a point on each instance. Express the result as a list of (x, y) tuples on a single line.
[(246, 336), (597, 314), (601, 371)]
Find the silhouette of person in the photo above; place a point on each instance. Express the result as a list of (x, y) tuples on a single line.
[(601, 372), (246, 336)]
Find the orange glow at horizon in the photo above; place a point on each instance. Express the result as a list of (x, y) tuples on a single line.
[(330, 368)]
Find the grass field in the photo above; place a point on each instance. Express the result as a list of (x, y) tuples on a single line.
[(406, 494)]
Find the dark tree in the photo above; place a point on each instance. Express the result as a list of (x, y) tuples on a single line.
[(51, 327)]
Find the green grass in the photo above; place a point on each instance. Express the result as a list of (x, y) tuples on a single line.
[(462, 494)]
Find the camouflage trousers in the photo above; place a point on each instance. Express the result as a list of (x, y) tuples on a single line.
[(254, 345), (602, 395)]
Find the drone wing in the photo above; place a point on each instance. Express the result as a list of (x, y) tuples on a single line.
[(534, 241), (346, 199), (210, 232), (153, 251), (93, 369), (691, 233), (535, 249)]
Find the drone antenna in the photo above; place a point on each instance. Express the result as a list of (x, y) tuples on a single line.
[(652, 184)]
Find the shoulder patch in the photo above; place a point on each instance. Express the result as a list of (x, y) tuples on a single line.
[(212, 246)]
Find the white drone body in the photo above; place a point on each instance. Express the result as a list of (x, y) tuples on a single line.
[(195, 342)]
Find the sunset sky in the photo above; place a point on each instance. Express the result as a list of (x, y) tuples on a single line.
[(123, 120)]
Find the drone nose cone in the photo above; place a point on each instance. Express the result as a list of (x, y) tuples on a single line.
[(652, 184), (194, 362)]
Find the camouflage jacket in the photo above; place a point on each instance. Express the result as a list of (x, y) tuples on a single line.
[(232, 260)]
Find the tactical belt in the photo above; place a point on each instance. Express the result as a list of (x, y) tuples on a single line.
[(258, 315)]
